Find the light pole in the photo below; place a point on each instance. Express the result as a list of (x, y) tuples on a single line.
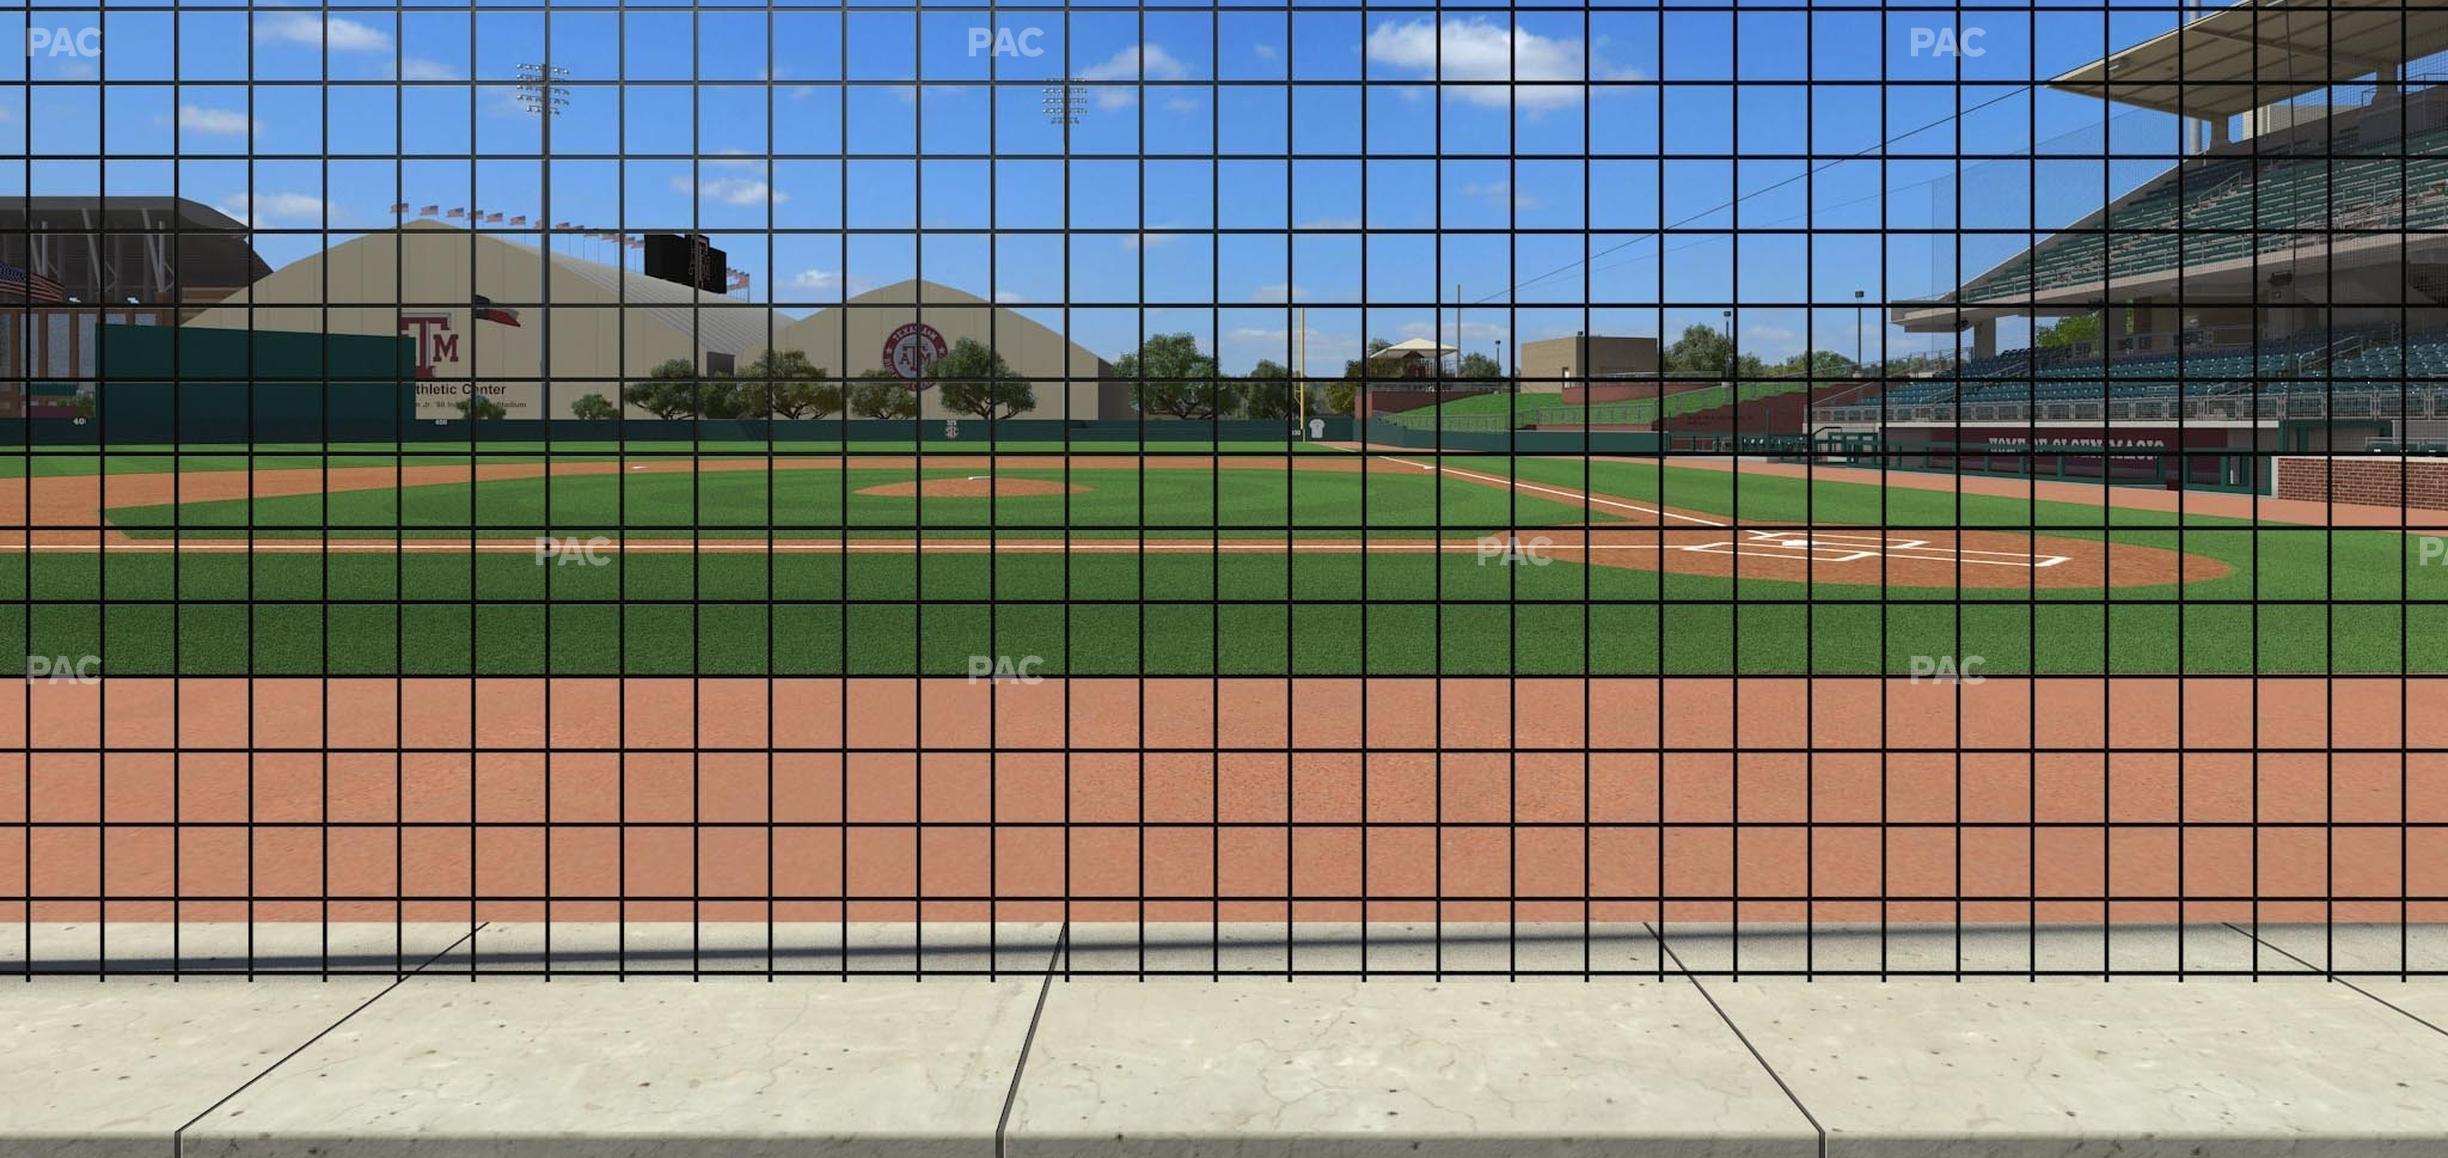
[(1857, 332), (1729, 337)]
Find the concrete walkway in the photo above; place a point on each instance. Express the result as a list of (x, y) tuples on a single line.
[(1035, 1060)]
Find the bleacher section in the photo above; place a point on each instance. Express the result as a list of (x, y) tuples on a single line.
[(2231, 207), (2363, 364)]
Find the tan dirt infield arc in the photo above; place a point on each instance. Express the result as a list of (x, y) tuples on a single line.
[(1704, 799), (1643, 535)]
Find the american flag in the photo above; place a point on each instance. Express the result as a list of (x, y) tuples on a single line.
[(17, 287)]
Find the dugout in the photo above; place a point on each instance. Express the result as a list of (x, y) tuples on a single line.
[(2212, 458)]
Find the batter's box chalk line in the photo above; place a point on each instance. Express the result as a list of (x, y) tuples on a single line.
[(1854, 547)]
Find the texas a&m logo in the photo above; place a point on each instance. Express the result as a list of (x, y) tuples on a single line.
[(435, 343), (911, 347)]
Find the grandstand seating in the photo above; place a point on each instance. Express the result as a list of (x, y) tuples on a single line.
[(2361, 363), (2229, 207)]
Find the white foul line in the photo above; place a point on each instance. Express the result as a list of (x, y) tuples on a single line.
[(1594, 500)]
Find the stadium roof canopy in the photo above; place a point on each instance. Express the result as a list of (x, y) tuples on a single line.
[(2262, 52)]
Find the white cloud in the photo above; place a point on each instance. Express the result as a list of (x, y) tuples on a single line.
[(815, 279), (314, 31), (1478, 49), (1771, 343), (1138, 62), (1148, 240), (275, 208), (1495, 193), (423, 68), (214, 122), (1264, 51), (1278, 292), (732, 190)]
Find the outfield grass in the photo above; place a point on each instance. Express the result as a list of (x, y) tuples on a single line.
[(2302, 600), (1170, 502)]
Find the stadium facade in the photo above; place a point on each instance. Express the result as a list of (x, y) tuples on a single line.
[(897, 329), (484, 319)]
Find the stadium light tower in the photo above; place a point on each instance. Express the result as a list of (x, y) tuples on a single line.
[(1062, 102), (540, 90), (1857, 332)]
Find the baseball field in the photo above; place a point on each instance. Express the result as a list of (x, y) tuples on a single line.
[(1172, 560), (622, 689)]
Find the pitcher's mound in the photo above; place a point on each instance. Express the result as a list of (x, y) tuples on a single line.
[(973, 487)]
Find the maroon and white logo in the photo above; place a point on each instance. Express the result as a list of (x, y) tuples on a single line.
[(911, 347), (435, 343)]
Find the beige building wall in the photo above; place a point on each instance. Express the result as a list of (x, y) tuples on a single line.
[(1549, 365), (421, 282), (948, 315)]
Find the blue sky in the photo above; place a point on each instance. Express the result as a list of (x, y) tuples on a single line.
[(720, 100)]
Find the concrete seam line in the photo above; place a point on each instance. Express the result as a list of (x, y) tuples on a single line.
[(2326, 974), (1756, 1056), (178, 1137), (1029, 1039)]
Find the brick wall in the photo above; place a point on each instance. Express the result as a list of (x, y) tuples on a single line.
[(2379, 480)]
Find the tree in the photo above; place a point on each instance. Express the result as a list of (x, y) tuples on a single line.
[(792, 386), (1181, 382), (1341, 395), (1269, 392), (721, 396), (2079, 330), (882, 394), (1478, 366), (1701, 350), (973, 379), (806, 399), (669, 391), (594, 408), (1816, 364), (478, 408)]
